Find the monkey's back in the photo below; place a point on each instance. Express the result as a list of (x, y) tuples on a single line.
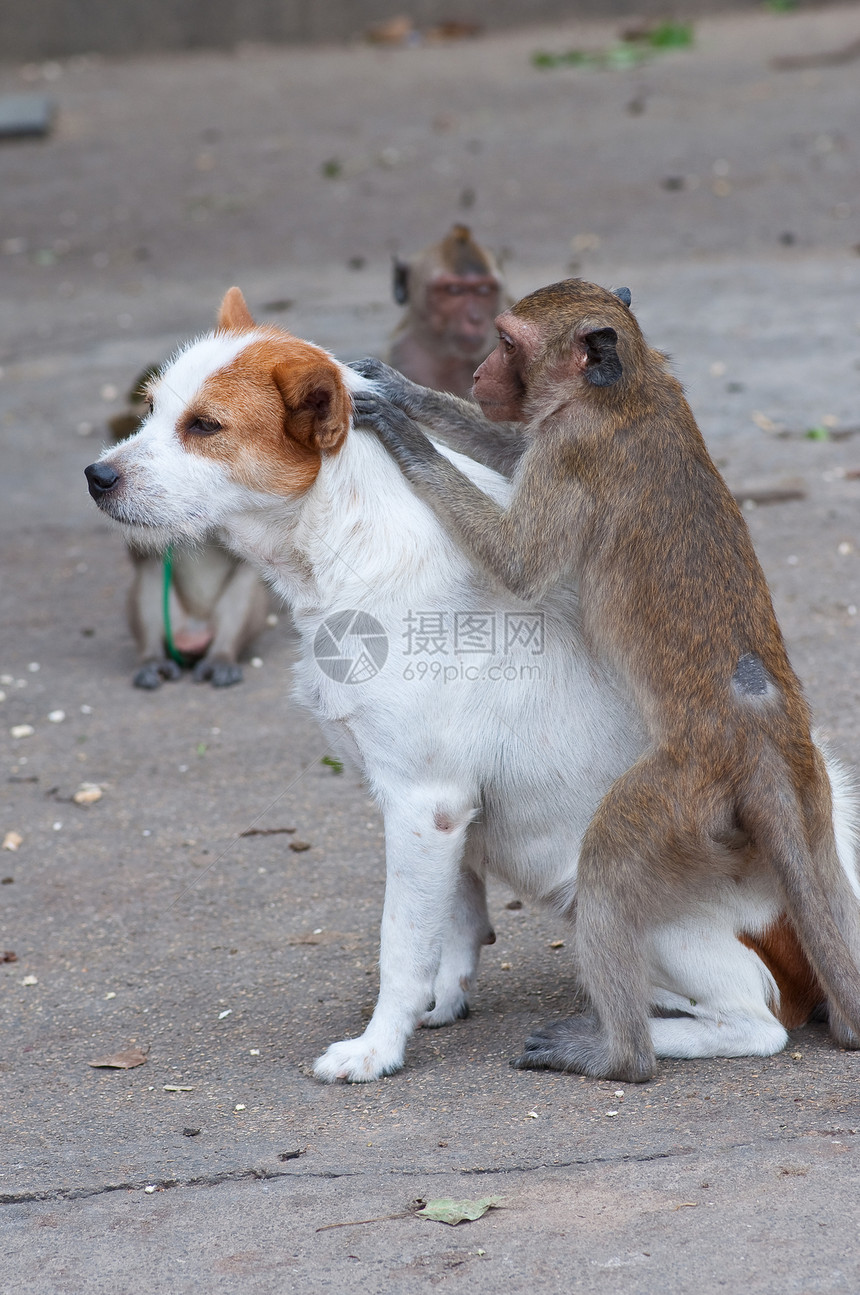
[(670, 583)]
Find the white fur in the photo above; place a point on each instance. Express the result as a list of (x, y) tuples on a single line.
[(473, 774)]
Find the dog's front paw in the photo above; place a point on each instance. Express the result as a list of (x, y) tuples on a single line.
[(357, 1061)]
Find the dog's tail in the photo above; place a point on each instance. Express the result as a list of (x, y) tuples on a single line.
[(820, 900)]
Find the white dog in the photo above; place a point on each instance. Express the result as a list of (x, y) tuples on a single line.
[(485, 731)]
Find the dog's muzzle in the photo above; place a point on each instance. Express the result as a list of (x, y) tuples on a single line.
[(101, 478)]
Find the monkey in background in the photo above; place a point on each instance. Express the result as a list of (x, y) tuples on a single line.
[(614, 489), (452, 293), (217, 604)]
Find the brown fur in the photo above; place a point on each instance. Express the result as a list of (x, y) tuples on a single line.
[(287, 397), (782, 953)]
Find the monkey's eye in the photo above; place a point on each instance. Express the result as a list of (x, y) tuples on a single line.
[(455, 289), (203, 426)]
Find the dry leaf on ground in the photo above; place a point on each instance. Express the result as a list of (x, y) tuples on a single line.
[(126, 1060)]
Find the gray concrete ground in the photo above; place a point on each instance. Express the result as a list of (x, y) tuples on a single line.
[(726, 194)]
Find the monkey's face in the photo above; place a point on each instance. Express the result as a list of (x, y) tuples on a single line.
[(500, 385), (460, 310)]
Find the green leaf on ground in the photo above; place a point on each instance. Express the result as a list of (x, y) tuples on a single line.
[(445, 1210)]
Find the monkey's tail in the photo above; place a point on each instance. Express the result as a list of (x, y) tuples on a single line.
[(819, 896)]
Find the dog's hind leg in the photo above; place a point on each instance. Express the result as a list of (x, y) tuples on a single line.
[(468, 929), (425, 834)]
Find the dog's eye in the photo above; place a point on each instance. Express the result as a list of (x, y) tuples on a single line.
[(203, 426)]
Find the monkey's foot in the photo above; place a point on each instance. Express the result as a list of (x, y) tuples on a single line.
[(841, 1032), (221, 673), (580, 1045), (359, 1061), (152, 673)]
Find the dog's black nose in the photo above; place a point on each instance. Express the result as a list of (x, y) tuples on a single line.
[(101, 478)]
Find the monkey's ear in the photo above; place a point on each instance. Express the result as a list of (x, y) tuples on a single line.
[(623, 294), (317, 404), (602, 365), (400, 281), (234, 314)]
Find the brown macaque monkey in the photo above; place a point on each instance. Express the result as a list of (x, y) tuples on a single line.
[(217, 604), (615, 490), (452, 293)]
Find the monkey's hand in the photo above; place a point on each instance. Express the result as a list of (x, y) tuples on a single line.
[(391, 384), (404, 439)]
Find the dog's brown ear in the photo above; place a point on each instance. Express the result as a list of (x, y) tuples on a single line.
[(234, 314), (317, 404)]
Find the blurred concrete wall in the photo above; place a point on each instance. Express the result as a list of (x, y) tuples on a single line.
[(40, 29)]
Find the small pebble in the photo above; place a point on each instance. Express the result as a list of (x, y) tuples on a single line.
[(12, 840), (240, 1107), (610, 1114), (86, 710), (29, 980), (22, 730), (34, 667), (149, 1190), (255, 1052), (256, 662), (221, 1015), (87, 794), (57, 716), (57, 827)]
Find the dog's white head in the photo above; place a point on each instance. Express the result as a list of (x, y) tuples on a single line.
[(238, 416)]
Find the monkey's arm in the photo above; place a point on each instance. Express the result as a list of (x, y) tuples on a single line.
[(524, 546), (459, 423)]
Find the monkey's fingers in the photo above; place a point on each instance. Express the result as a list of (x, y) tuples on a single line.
[(370, 367), (388, 381), (400, 436)]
